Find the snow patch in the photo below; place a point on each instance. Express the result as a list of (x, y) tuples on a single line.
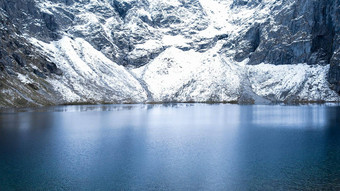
[(24, 78)]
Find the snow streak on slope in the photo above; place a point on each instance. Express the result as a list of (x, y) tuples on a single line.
[(89, 75)]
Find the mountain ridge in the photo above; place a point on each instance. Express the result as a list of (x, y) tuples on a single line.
[(138, 51)]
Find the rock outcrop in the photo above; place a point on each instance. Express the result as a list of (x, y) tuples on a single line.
[(23, 70), (302, 31)]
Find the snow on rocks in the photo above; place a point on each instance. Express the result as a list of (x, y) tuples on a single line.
[(185, 76), (89, 75), (291, 82), (178, 76)]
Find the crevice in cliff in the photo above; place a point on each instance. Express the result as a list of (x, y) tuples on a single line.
[(252, 42), (121, 7), (323, 33), (255, 43)]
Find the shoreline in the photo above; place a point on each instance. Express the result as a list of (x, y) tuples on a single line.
[(43, 108)]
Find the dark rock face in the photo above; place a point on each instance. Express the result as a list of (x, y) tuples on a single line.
[(18, 57), (252, 39), (307, 32), (121, 7), (334, 72), (248, 3), (50, 22), (323, 31), (29, 19), (18, 54)]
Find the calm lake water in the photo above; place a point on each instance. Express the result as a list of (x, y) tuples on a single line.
[(171, 147)]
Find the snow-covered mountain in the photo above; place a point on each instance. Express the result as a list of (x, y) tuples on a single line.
[(137, 51)]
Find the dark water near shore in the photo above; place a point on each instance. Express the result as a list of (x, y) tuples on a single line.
[(171, 147)]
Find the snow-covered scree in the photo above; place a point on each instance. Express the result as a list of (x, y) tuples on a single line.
[(177, 51), (88, 75), (291, 82), (179, 76)]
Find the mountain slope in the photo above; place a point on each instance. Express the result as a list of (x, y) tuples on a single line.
[(113, 51)]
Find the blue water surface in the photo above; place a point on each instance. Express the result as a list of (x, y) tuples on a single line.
[(171, 147)]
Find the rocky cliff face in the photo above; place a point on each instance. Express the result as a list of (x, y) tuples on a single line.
[(19, 61), (303, 32), (107, 51)]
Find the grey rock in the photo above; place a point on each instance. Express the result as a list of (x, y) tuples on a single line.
[(18, 56), (305, 34), (49, 21), (52, 68), (38, 73), (19, 59), (334, 72), (308, 31), (252, 40), (122, 7)]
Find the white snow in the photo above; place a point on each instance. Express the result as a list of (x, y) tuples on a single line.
[(24, 78), (162, 3), (301, 82), (177, 40), (182, 76), (88, 74)]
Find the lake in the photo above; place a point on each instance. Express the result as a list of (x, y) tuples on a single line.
[(171, 147)]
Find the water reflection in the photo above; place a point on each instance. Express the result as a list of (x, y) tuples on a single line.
[(307, 116), (171, 147)]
